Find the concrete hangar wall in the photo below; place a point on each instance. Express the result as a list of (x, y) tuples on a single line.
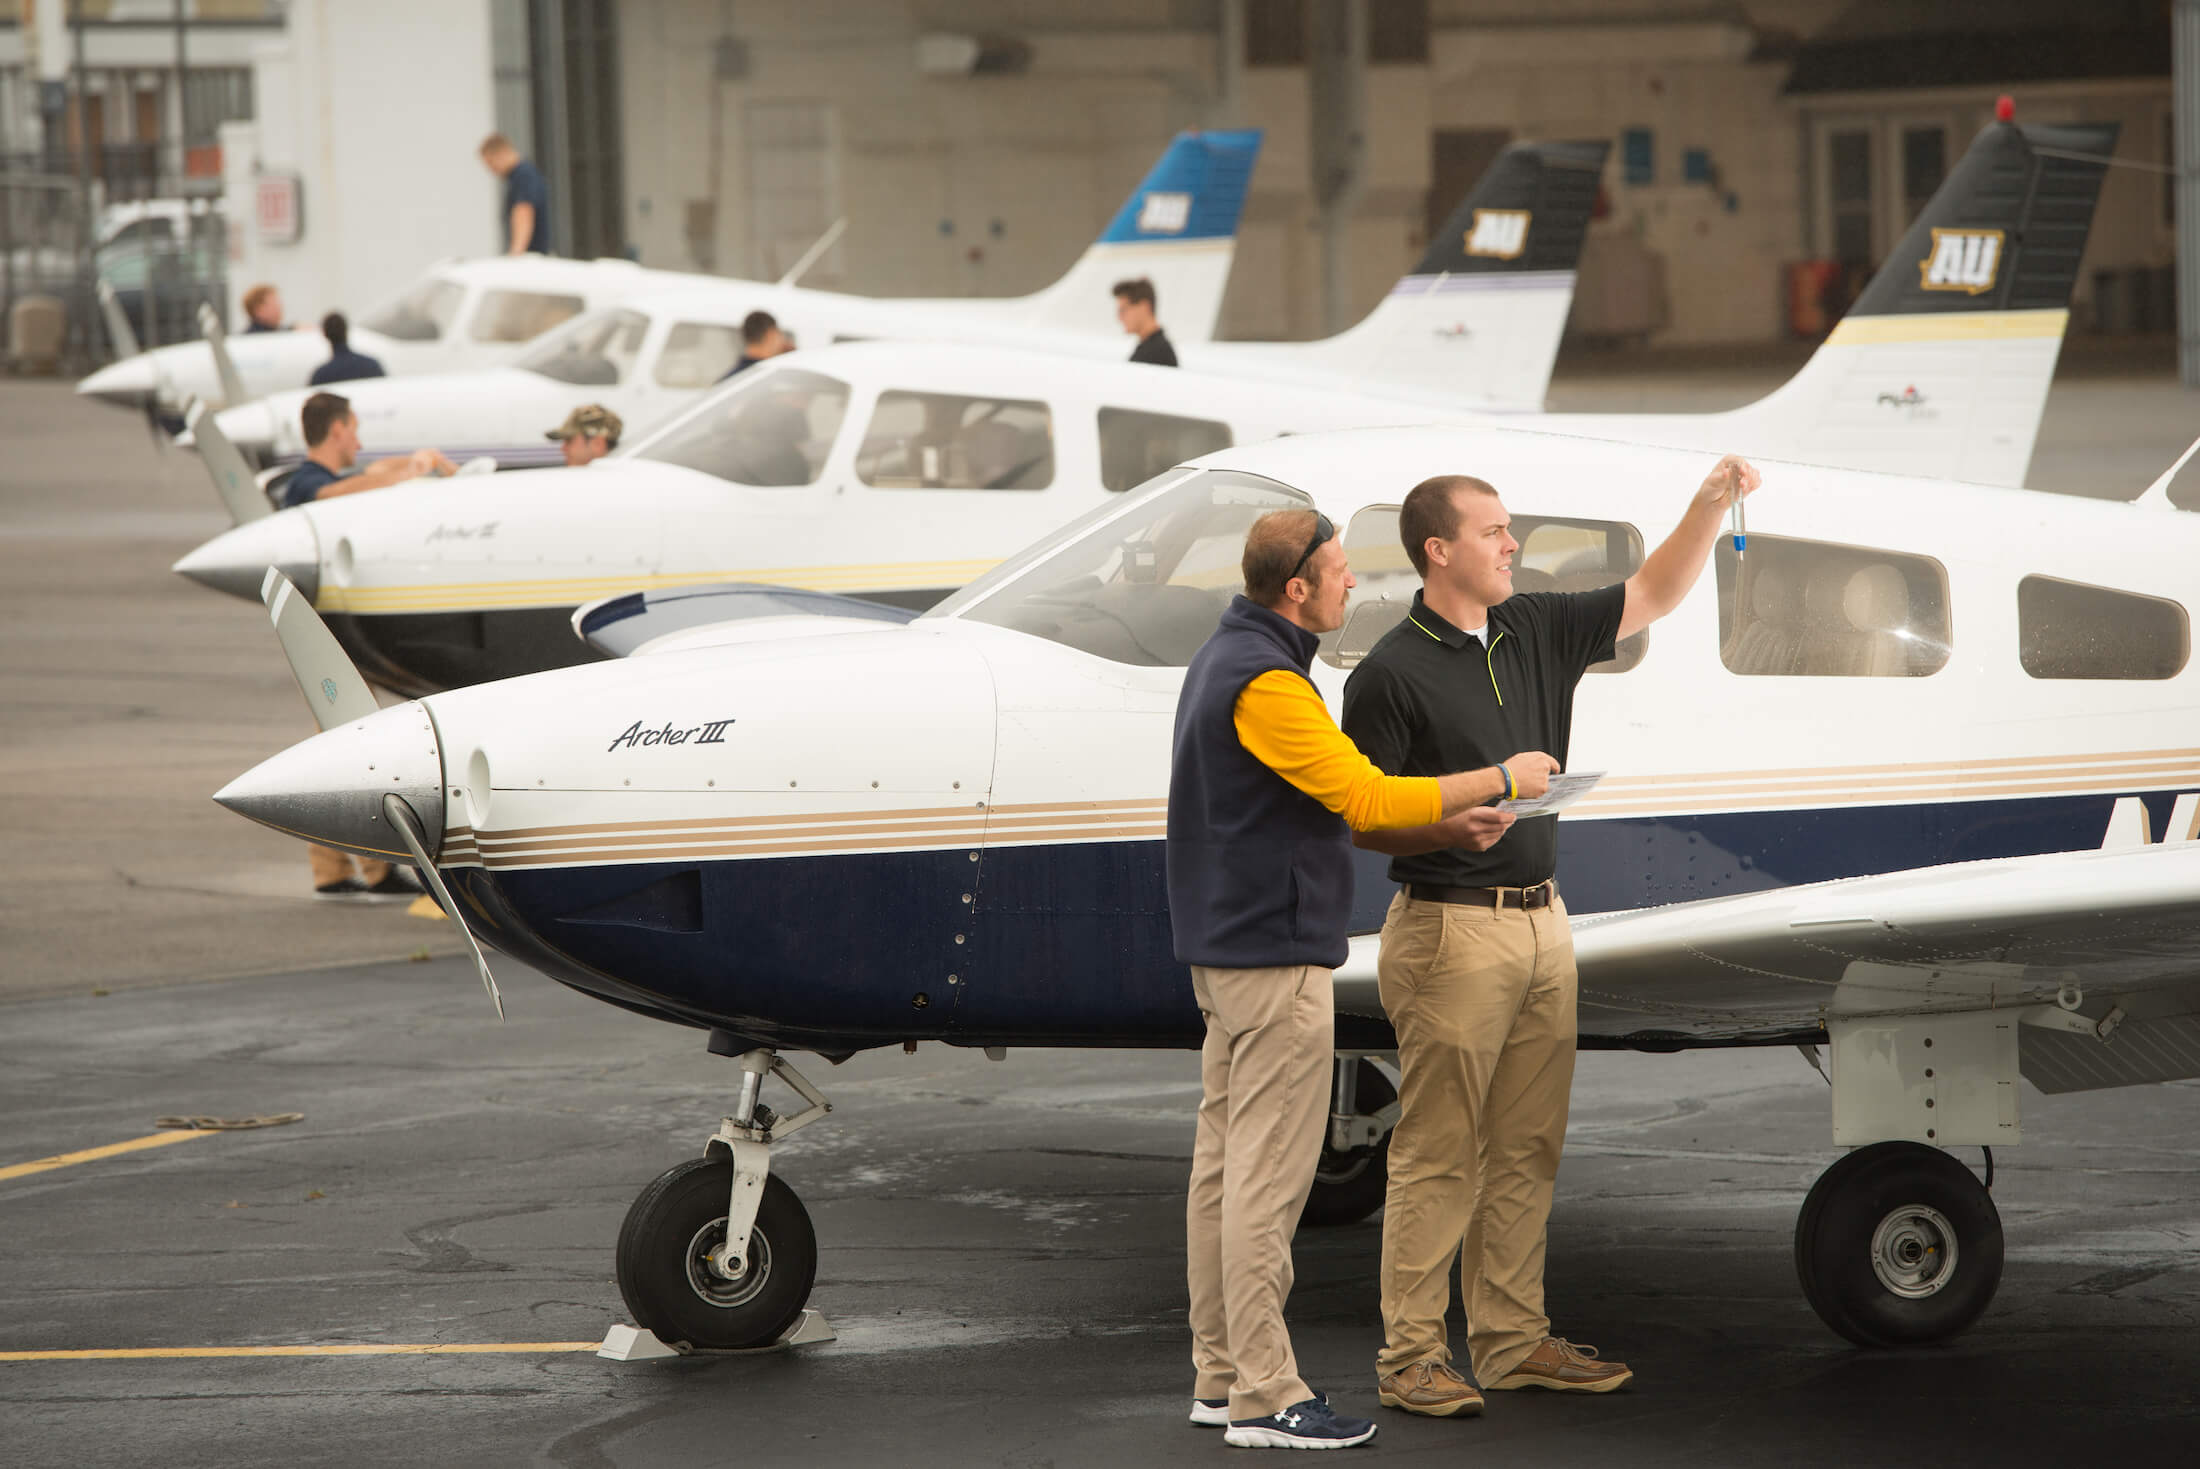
[(750, 125)]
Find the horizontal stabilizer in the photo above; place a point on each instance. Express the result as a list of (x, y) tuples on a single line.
[(622, 626)]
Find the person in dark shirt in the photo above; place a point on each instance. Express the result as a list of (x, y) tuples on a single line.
[(526, 197), (332, 456), (343, 365), (1134, 307), (1476, 968), (263, 309), (761, 339)]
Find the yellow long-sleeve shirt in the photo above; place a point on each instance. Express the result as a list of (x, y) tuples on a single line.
[(1285, 725)]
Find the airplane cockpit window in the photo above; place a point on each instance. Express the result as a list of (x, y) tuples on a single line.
[(422, 314), (1143, 586), (697, 354), (1555, 555), (774, 429), (596, 351), (521, 316), (1815, 608), (1134, 446), (2066, 629), (940, 441)]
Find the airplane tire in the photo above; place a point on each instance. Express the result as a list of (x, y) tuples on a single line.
[(1350, 1186), (670, 1287), (1898, 1244)]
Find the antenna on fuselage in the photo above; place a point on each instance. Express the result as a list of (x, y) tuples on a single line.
[(810, 256), (2157, 494)]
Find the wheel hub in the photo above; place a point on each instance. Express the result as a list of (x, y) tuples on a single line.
[(709, 1281), (1914, 1251)]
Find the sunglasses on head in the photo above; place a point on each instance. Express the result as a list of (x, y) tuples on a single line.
[(1323, 530)]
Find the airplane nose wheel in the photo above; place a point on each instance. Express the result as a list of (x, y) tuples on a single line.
[(1898, 1244), (718, 1252), (671, 1268)]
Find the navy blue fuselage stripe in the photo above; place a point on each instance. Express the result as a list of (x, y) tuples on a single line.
[(1069, 944)]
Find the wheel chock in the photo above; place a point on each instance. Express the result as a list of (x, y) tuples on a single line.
[(633, 1344)]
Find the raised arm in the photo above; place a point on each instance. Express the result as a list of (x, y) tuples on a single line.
[(1667, 574)]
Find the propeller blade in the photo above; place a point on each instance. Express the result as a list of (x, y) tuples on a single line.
[(333, 688), (217, 340), (118, 324), (407, 826), (225, 465)]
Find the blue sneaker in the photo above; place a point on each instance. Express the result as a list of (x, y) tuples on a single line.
[(1307, 1425), (1211, 1412)]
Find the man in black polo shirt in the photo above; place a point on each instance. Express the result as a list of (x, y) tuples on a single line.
[(1477, 964), (1136, 306)]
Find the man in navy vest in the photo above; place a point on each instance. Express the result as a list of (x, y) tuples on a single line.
[(1264, 794)]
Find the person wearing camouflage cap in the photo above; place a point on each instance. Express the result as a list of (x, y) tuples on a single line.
[(588, 433)]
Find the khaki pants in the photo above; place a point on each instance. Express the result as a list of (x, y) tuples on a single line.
[(1483, 1003), (1265, 1073), (330, 865)]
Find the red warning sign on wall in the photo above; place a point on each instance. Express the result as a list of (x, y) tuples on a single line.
[(279, 208)]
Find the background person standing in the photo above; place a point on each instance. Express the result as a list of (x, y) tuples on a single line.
[(1135, 305), (526, 197), (1263, 793), (1477, 963)]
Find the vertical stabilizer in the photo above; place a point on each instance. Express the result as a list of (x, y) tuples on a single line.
[(1478, 319), (1178, 229), (1942, 366)]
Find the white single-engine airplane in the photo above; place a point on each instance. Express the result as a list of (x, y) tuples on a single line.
[(819, 834), (894, 473), (1178, 227), (1473, 325)]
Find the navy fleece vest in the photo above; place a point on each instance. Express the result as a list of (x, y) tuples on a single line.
[(1260, 873)]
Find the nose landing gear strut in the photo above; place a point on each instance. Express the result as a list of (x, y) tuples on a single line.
[(718, 1253)]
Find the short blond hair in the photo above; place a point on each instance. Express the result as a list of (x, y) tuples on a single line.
[(496, 143)]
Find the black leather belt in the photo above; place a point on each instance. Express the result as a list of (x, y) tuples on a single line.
[(1539, 896)]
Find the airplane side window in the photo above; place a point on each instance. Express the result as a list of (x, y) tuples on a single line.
[(1145, 586), (596, 351), (1819, 609), (1134, 446), (422, 314), (1556, 555), (697, 354), (521, 316), (940, 441), (773, 429), (2066, 629)]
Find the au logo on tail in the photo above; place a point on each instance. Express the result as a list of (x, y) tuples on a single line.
[(1499, 233), (1961, 260)]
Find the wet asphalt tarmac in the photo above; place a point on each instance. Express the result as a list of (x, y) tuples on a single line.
[(1001, 1255)]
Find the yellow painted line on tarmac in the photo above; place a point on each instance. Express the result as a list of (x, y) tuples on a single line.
[(407, 1349), (93, 1155)]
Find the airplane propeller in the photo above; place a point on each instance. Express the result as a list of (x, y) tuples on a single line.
[(233, 478), (337, 695), (217, 341), (118, 323)]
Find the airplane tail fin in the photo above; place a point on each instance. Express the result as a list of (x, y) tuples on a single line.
[(1178, 229), (1479, 316), (1942, 366)]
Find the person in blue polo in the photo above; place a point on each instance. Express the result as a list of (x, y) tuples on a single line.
[(1264, 794), (526, 197)]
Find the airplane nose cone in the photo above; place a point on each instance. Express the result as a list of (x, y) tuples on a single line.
[(330, 788), (126, 384), (236, 561)]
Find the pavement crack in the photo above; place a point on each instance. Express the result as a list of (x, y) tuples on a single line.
[(443, 1255)]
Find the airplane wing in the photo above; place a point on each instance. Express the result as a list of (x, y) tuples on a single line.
[(2108, 940)]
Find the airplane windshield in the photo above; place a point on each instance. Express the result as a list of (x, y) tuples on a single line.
[(1144, 582), (422, 314), (596, 351), (773, 429)]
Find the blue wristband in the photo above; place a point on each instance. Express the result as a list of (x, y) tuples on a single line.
[(1512, 790)]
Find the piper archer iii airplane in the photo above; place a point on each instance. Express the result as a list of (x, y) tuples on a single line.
[(823, 834), (1178, 228), (894, 473)]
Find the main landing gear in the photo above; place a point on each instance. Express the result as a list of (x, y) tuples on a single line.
[(1354, 1172), (718, 1253), (1898, 1244)]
